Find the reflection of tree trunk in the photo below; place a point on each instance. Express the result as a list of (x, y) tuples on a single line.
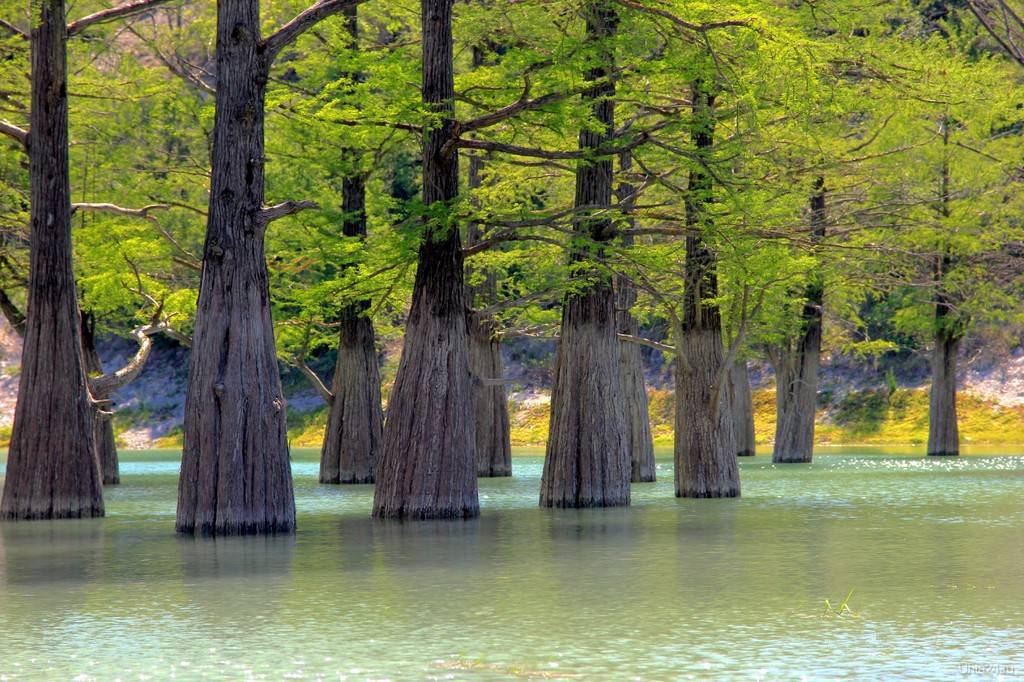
[(587, 463), (106, 448), (631, 359), (52, 469), (742, 401), (705, 448), (235, 468), (427, 467), (493, 429), (943, 431), (796, 366)]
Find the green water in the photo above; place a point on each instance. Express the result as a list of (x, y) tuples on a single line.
[(667, 589)]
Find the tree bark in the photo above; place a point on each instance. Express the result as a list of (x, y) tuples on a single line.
[(490, 402), (705, 448), (742, 401), (428, 460), (943, 430), (235, 470), (106, 446), (796, 366), (355, 422), (639, 441), (52, 468), (587, 463)]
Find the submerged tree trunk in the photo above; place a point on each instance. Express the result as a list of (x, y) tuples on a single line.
[(943, 430), (52, 468), (705, 447), (106, 447), (490, 402), (796, 366), (631, 361), (355, 422), (235, 469), (742, 401), (428, 460), (587, 463)]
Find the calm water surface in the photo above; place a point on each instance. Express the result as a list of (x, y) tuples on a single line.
[(668, 589)]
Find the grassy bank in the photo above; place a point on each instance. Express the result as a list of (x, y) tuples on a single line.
[(867, 417)]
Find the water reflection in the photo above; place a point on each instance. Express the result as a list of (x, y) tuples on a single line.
[(665, 589)]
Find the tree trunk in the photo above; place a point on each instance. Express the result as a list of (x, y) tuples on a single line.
[(796, 371), (235, 469), (428, 461), (587, 463), (943, 431), (705, 448), (493, 428), (631, 360), (742, 401), (52, 468), (355, 422), (106, 447)]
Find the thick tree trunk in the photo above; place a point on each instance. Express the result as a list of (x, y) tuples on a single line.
[(796, 367), (355, 422), (943, 431), (639, 442), (235, 469), (631, 360), (52, 469), (490, 402), (587, 463), (742, 401), (427, 467), (106, 447), (705, 447)]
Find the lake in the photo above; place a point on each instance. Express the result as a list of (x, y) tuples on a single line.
[(862, 565)]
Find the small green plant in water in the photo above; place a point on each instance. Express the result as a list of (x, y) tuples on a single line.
[(841, 611)]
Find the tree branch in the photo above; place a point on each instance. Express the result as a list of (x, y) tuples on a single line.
[(682, 23), (19, 135), (13, 30), (641, 341), (289, 33), (103, 385), (269, 214), (15, 317), (314, 379), (126, 10), (119, 210)]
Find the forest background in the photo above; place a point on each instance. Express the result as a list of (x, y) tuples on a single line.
[(909, 111)]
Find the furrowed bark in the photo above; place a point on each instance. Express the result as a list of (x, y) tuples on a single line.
[(587, 463), (52, 468), (943, 430), (490, 401), (742, 401), (639, 441), (355, 422), (796, 371), (235, 471), (705, 447), (106, 447), (427, 466)]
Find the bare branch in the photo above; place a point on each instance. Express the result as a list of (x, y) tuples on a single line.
[(120, 12), (19, 135), (15, 317), (641, 341), (12, 29), (271, 213), (314, 378), (118, 210), (103, 385), (291, 31)]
